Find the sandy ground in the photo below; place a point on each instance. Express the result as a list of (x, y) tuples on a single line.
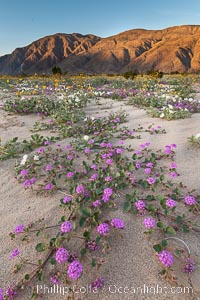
[(131, 263)]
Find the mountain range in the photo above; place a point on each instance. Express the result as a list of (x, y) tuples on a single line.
[(174, 49)]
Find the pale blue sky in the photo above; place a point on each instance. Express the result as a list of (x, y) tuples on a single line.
[(23, 21)]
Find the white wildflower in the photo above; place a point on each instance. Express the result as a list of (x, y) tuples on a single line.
[(36, 157), (24, 159), (86, 137), (197, 136), (162, 115)]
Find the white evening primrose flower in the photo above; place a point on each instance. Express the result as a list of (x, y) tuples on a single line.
[(86, 137), (197, 136), (92, 118), (24, 159), (170, 106), (162, 115), (36, 157)]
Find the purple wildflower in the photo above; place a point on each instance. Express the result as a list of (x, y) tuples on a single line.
[(149, 165), (109, 161), (190, 200), (1, 294), (46, 143), (119, 150), (24, 172), (94, 177), (117, 223), (11, 293), (70, 174), (189, 266), (32, 180), (108, 178), (166, 258), (94, 167), (151, 180), (173, 165), (54, 280), (14, 253), (48, 186), (87, 150), (67, 199), (48, 168), (103, 229), (19, 229), (149, 223), (66, 227), (147, 170), (97, 284), (80, 189), (69, 157), (91, 142), (173, 174), (26, 183), (137, 165), (108, 191), (96, 203), (75, 270), (40, 150), (170, 203), (140, 205), (61, 255), (92, 245)]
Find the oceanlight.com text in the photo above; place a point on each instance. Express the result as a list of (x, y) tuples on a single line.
[(113, 289)]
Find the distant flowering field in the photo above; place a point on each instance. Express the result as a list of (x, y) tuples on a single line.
[(95, 173)]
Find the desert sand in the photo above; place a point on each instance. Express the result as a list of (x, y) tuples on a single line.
[(131, 262)]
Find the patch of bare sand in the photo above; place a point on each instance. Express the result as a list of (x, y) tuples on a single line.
[(131, 262)]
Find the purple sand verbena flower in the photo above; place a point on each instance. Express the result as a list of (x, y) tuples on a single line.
[(96, 203), (103, 229), (61, 255), (24, 172), (140, 205), (97, 284), (109, 161), (137, 165), (151, 180), (149, 165), (108, 178), (48, 168), (70, 174), (170, 203), (87, 150), (54, 280), (75, 270), (92, 245), (40, 150), (19, 229), (189, 266), (149, 223), (117, 223), (48, 186), (173, 165), (11, 293), (66, 227), (190, 200), (67, 199), (108, 191), (1, 294), (14, 253), (94, 177), (173, 174), (166, 258), (119, 150), (80, 189), (147, 170)]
